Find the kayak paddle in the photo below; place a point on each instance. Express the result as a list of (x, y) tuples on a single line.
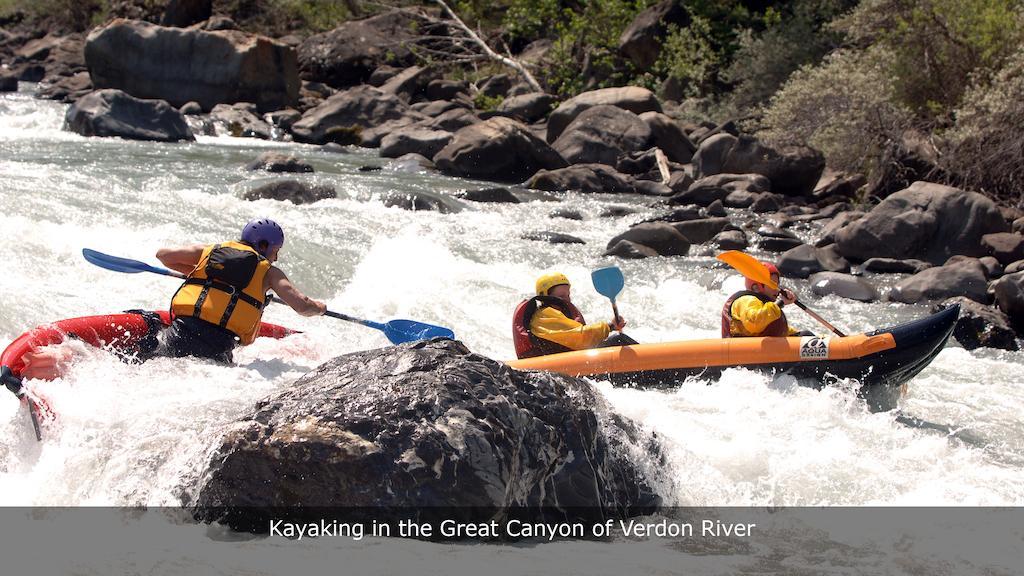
[(609, 282), (397, 331), (751, 268)]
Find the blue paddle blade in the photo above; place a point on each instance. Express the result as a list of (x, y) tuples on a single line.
[(399, 331), (608, 281), (118, 264)]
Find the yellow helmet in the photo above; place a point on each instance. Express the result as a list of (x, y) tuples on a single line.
[(548, 281)]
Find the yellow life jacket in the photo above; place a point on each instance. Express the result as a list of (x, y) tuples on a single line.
[(226, 289)]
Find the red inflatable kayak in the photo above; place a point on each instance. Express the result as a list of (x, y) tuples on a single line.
[(120, 333)]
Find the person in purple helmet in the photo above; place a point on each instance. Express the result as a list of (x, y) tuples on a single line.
[(220, 304)]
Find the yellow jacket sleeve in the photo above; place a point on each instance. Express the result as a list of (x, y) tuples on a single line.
[(754, 314), (550, 324)]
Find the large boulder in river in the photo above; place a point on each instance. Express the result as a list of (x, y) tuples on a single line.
[(793, 171), (182, 65), (596, 178), (635, 99), (1009, 293), (662, 238), (499, 149), (359, 108), (980, 326), (926, 221), (843, 285), (804, 260), (668, 135), (601, 135), (293, 191), (530, 107), (966, 277), (425, 429), (114, 113)]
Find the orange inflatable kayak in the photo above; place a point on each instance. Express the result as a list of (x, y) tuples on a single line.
[(881, 361)]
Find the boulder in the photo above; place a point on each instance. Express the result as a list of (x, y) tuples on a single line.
[(630, 250), (422, 200), (409, 83), (350, 53), (240, 120), (684, 214), (980, 326), (441, 89), (113, 113), (567, 213), (961, 278), (777, 244), (596, 178), (669, 136), (1018, 226), (641, 41), (894, 265), (552, 237), (1009, 294), (843, 285), (499, 149), (8, 82), (662, 238), (1006, 247), (66, 88), (731, 240), (913, 157), (414, 140), (530, 107), (494, 195), (838, 185), (293, 191), (278, 162), (356, 109), (827, 235), (435, 428), (616, 212), (993, 269), (926, 221), (632, 98), (717, 209), (182, 13), (496, 86), (451, 120), (1014, 267), (649, 188), (804, 260), (719, 187), (709, 159), (177, 65), (600, 134), (764, 203), (793, 170), (702, 230)]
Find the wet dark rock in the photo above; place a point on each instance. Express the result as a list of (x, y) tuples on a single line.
[(649, 188), (356, 109), (719, 187), (767, 202), (680, 181), (993, 269), (498, 149), (1018, 226), (240, 120), (731, 240), (828, 231), (596, 178), (632, 98), (980, 326), (498, 195), (441, 89), (684, 214), (959, 278), (191, 108), (716, 209), (641, 41), (702, 230), (530, 107), (777, 244), (895, 266), (1014, 267), (1009, 294), (630, 250), (414, 140), (411, 163), (616, 212), (293, 191), (601, 134), (66, 88), (804, 260), (668, 135), (183, 13), (8, 82), (284, 118), (843, 285), (113, 113), (926, 221), (1006, 247), (435, 428), (422, 200), (278, 162), (567, 213), (793, 170), (552, 237), (410, 83), (175, 64), (451, 120), (838, 185), (664, 239)]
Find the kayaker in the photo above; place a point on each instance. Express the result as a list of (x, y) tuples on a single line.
[(757, 311), (220, 304), (549, 323)]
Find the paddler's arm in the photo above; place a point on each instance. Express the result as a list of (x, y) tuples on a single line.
[(304, 305), (182, 259), (550, 324), (754, 314)]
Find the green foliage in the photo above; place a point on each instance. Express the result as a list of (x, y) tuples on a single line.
[(688, 55), (531, 19), (845, 107), (485, 102), (986, 142), (939, 45)]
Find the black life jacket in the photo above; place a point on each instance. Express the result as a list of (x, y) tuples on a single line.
[(779, 327), (526, 342)]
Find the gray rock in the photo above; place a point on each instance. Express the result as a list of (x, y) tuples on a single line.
[(567, 213), (191, 108), (642, 40), (442, 89), (993, 269), (414, 140), (632, 98), (962, 278), (719, 187), (1006, 247), (412, 163), (113, 113), (1018, 226), (731, 240), (668, 135), (895, 266), (711, 155), (793, 170), (828, 231), (804, 260), (240, 121), (601, 134), (596, 178), (409, 83), (497, 85), (291, 190), (717, 209), (980, 326), (356, 109), (422, 200), (496, 195), (451, 120), (435, 428), (552, 237), (175, 64), (843, 285), (648, 188), (776, 244), (530, 107), (1009, 294), (497, 149), (926, 221), (662, 238), (684, 214), (1014, 267), (616, 212), (767, 202), (630, 250), (702, 230), (278, 162)]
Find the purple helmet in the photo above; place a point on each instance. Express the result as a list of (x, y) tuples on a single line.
[(263, 231)]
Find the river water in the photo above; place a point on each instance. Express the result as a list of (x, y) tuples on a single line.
[(139, 435)]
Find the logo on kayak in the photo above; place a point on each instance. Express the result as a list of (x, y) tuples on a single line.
[(813, 348)]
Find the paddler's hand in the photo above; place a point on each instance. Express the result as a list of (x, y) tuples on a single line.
[(617, 324), (320, 306), (786, 296)]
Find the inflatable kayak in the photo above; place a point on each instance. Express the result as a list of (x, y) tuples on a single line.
[(882, 361), (120, 333)]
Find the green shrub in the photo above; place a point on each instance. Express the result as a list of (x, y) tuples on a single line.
[(689, 56), (845, 107)]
